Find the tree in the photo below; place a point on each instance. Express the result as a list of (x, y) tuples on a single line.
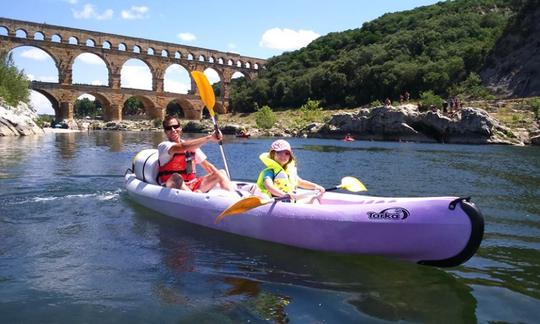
[(133, 106), (429, 48), (13, 83), (86, 107), (265, 117)]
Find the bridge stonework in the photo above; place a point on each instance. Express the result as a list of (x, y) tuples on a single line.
[(64, 44)]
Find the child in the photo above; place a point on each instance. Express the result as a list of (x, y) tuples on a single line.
[(280, 177)]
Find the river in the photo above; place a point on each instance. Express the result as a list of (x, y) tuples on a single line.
[(74, 248)]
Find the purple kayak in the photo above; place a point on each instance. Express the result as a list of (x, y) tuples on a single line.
[(439, 231)]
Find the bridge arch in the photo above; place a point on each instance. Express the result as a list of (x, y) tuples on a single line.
[(135, 73), (149, 106), (113, 51), (100, 67), (53, 100)]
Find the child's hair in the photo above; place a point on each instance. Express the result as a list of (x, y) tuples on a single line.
[(291, 158)]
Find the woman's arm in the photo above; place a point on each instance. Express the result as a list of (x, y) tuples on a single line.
[(192, 144)]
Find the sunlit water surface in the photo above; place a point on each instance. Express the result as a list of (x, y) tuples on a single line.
[(75, 248)]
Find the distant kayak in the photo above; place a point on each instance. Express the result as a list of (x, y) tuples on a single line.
[(440, 231), (348, 139), (243, 135)]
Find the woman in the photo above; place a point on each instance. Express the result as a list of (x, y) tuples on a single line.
[(280, 177)]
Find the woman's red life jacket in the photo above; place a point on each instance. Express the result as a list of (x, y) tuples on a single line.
[(181, 163)]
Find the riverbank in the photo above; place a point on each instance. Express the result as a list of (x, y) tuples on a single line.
[(470, 125), (386, 123)]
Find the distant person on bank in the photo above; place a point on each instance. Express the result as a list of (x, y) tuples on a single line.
[(178, 159)]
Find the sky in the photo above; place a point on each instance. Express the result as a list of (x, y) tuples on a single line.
[(260, 29)]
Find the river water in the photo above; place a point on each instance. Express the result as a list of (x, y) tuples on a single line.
[(74, 248)]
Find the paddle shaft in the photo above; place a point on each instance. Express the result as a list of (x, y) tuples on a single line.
[(306, 194), (216, 128)]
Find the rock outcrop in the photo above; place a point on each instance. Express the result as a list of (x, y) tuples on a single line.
[(406, 123), (16, 121), (513, 66)]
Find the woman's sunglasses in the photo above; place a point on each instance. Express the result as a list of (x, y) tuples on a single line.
[(283, 152), (170, 127)]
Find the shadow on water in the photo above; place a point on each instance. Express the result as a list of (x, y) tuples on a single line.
[(263, 279)]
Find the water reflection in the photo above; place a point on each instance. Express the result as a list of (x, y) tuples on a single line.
[(269, 278), (66, 144), (114, 140)]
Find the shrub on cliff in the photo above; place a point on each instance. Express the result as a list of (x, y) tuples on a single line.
[(13, 83), (265, 117), (429, 99), (534, 104)]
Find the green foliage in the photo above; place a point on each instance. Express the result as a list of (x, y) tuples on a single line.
[(42, 120), (174, 109), (534, 104), (375, 103), (311, 111), (429, 99), (13, 83), (265, 117), (472, 88), (86, 107), (433, 47), (133, 106)]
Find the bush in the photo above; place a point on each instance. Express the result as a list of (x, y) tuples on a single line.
[(375, 103), (13, 83), (265, 117), (311, 111), (43, 120), (472, 88), (535, 107), (430, 99)]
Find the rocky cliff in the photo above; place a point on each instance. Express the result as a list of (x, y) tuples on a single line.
[(15, 121), (406, 123), (513, 67)]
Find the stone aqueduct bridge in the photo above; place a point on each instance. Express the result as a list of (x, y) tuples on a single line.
[(64, 44)]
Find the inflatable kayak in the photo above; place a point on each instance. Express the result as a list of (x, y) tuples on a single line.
[(440, 231)]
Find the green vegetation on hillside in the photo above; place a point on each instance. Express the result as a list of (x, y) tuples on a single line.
[(13, 83), (433, 48)]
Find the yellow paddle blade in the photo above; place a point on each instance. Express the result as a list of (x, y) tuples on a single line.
[(205, 91), (241, 206), (352, 184)]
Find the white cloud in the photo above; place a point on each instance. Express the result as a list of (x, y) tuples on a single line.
[(135, 12), (287, 39), (187, 37), (96, 82), (136, 77), (72, 1), (46, 78), (89, 58), (176, 87), (35, 54), (211, 75), (89, 12)]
